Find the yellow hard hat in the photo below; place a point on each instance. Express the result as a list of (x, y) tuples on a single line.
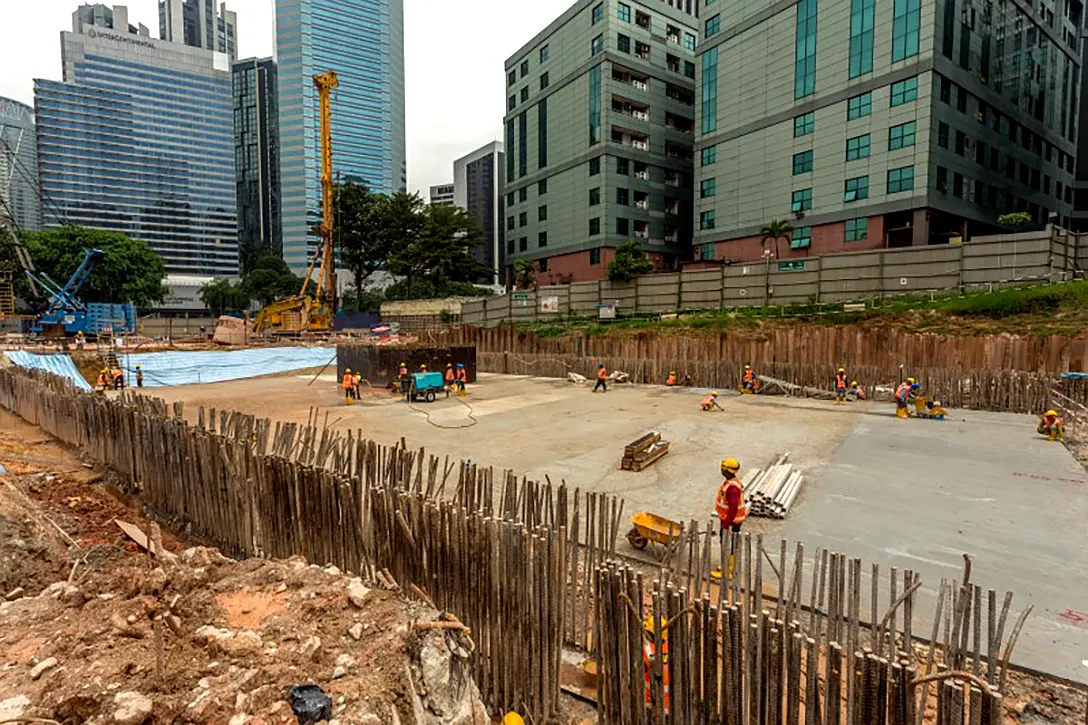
[(1052, 412), (842, 370), (714, 394), (747, 367), (853, 382), (449, 365), (910, 380), (672, 372), (347, 370), (731, 465), (648, 625), (512, 718)]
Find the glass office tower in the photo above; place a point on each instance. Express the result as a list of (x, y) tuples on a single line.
[(363, 42)]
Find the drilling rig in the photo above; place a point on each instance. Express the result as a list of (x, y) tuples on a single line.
[(302, 312)]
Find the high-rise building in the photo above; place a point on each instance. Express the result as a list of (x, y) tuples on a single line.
[(478, 189), (257, 157), (441, 195), (600, 113), (363, 42), (20, 205), (1080, 192), (139, 138), (197, 24), (921, 122)]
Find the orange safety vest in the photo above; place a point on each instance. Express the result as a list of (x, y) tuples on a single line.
[(1052, 421), (462, 374), (840, 381), (671, 380), (708, 401), (748, 376), (601, 374), (403, 371), (349, 381), (117, 373), (449, 375), (103, 380), (902, 391), (721, 503), (647, 659)]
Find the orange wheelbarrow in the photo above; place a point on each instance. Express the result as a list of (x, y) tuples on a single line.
[(647, 527)]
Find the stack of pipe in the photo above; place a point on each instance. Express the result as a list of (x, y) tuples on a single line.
[(771, 491)]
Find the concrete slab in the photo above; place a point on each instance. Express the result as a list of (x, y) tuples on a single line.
[(918, 494)]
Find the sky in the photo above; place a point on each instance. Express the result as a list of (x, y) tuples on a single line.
[(454, 53)]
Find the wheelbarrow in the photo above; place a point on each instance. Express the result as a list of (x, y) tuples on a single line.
[(647, 527)]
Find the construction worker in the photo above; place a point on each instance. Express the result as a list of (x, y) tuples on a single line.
[(650, 667), (462, 378), (688, 381), (1052, 426), (104, 379), (81, 339), (749, 382), (671, 380), (855, 392), (356, 383), (840, 387), (729, 504), (118, 379), (451, 377), (403, 377), (710, 402), (902, 395), (348, 384), (423, 367), (139, 377), (602, 378)]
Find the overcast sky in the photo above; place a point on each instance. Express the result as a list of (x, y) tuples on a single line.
[(454, 53)]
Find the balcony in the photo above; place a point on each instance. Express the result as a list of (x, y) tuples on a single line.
[(677, 151), (642, 50), (627, 107), (631, 78), (642, 20), (671, 236), (641, 230), (672, 206), (634, 139), (642, 173), (673, 63), (672, 178), (642, 200), (679, 123), (672, 34), (680, 95)]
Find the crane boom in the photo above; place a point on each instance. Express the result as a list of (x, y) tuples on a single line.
[(326, 285)]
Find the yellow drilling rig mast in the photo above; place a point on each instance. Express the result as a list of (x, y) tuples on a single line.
[(303, 313)]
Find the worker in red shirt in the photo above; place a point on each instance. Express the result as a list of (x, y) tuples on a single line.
[(730, 505)]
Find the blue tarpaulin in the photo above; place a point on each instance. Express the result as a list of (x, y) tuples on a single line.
[(61, 365), (186, 368)]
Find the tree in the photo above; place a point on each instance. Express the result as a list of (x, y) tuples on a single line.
[(405, 220), (775, 230), (221, 296), (524, 273), (631, 261), (1017, 221), (270, 278), (361, 234)]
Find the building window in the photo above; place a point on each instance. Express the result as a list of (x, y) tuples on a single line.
[(594, 226), (598, 13), (706, 250), (525, 94), (708, 156), (961, 100), (523, 244), (801, 238), (859, 106), (689, 42), (904, 91), (510, 245), (542, 133), (595, 166), (708, 188), (594, 105), (523, 193), (901, 136), (621, 226), (512, 102), (862, 15), (511, 78), (804, 125), (802, 162), (943, 134), (901, 179), (524, 68), (856, 229), (543, 81), (523, 144), (706, 219), (622, 197), (624, 12), (710, 91), (857, 147), (946, 91), (689, 69), (905, 24), (804, 73), (542, 263), (544, 54), (542, 239), (801, 200), (595, 256), (623, 166), (542, 187), (523, 219), (713, 25), (509, 222), (595, 196), (510, 199), (961, 143), (510, 150), (542, 213), (623, 43), (596, 45), (856, 189), (957, 185)]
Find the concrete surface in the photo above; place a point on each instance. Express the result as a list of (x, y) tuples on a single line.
[(912, 494)]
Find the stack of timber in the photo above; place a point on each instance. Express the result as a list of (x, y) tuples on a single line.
[(775, 386), (771, 491), (643, 452)]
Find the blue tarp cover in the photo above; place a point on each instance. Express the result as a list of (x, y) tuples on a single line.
[(61, 365), (186, 368)]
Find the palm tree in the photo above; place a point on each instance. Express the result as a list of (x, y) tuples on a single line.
[(775, 230), (525, 274)]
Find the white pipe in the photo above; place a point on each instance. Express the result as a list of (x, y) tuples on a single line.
[(793, 495), (781, 476)]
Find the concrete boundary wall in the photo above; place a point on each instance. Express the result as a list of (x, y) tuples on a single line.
[(983, 264)]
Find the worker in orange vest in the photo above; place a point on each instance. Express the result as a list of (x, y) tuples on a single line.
[(748, 382), (711, 401), (104, 379), (356, 383), (462, 378), (602, 378), (403, 378), (729, 504), (1052, 426), (118, 379), (902, 395), (348, 384), (649, 660), (671, 380), (840, 387)]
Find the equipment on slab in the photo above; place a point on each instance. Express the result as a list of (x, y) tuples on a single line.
[(647, 527), (303, 312), (426, 386), (928, 409), (772, 491), (643, 452)]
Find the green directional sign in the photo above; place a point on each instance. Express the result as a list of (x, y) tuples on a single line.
[(794, 265)]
